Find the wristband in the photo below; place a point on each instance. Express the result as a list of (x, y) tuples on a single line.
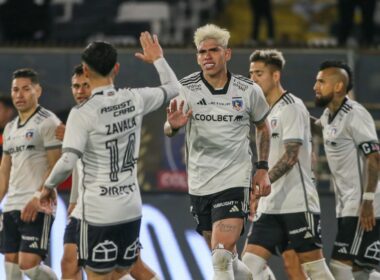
[(368, 196), (37, 195), (262, 165)]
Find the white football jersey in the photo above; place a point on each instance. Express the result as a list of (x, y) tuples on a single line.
[(27, 145), (218, 154), (105, 133), (344, 134), (294, 191), (77, 187)]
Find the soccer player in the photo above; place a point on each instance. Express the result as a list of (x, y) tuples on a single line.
[(30, 151), (218, 108), (80, 87), (290, 214), (292, 265), (352, 151), (104, 132)]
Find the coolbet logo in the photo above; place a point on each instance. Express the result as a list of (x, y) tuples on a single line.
[(214, 118)]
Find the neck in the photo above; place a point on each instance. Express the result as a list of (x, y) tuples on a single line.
[(335, 104), (217, 81), (24, 116), (101, 82), (274, 95)]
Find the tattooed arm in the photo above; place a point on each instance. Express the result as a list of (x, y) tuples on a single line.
[(261, 178), (367, 215), (286, 162)]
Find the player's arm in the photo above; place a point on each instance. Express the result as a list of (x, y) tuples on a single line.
[(175, 117), (286, 162), (367, 215), (30, 210), (261, 178), (5, 171)]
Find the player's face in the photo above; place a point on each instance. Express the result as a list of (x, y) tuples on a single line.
[(262, 75), (80, 88), (324, 88), (25, 94), (213, 58)]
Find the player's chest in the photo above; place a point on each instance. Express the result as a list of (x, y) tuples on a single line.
[(23, 139)]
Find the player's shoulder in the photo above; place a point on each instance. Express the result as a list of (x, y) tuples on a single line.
[(194, 78), (45, 115), (240, 79)]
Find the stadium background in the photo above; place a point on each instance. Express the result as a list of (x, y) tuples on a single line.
[(53, 47)]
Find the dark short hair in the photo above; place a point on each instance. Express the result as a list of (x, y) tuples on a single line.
[(269, 57), (26, 73), (78, 70), (6, 101), (101, 57), (341, 65)]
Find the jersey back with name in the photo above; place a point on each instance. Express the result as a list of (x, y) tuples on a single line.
[(343, 136), (105, 131), (218, 155), (27, 145), (294, 191)]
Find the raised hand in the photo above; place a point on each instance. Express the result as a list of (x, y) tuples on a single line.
[(175, 115), (151, 48)]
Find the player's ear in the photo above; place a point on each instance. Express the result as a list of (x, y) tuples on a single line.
[(116, 69), (228, 54), (86, 70)]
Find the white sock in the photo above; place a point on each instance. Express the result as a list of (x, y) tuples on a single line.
[(12, 271), (40, 272), (361, 275), (241, 271), (222, 263), (256, 265), (341, 271), (374, 275), (318, 270)]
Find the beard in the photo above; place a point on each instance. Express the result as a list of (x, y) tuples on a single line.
[(323, 101)]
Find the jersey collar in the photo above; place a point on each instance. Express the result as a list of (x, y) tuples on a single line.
[(102, 89), (31, 116), (332, 117), (217, 91)]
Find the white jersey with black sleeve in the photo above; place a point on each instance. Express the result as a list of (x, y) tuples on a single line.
[(27, 145), (348, 137), (218, 154), (105, 133), (294, 191)]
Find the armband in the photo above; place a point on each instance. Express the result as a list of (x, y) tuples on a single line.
[(369, 148), (37, 195), (262, 165)]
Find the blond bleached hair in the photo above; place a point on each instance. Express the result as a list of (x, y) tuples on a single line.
[(212, 31)]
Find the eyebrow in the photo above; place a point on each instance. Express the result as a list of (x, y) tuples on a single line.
[(215, 49)]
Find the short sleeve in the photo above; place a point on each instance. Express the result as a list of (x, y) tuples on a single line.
[(293, 124), (5, 136), (260, 107), (362, 127), (76, 133), (47, 131)]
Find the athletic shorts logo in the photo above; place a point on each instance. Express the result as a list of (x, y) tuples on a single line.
[(237, 103), (132, 250), (373, 251), (234, 209), (104, 252), (343, 250), (34, 245)]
